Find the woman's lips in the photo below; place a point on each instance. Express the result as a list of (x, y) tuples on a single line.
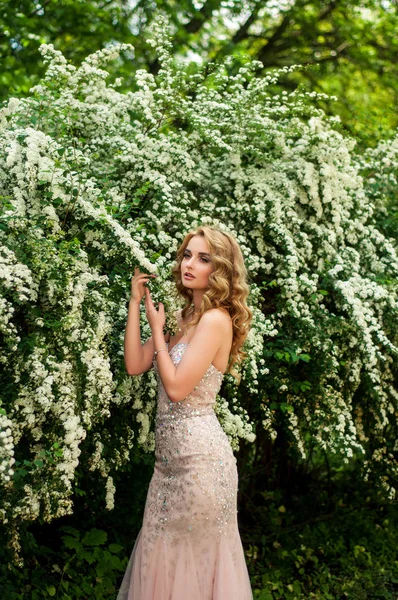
[(189, 276)]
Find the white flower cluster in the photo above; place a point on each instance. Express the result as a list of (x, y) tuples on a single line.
[(6, 448), (379, 167), (236, 425), (110, 493), (95, 182)]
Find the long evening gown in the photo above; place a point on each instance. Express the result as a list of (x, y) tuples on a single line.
[(189, 547)]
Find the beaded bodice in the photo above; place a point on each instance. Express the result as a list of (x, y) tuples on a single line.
[(199, 402)]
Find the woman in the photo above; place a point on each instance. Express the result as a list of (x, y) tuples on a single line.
[(189, 547)]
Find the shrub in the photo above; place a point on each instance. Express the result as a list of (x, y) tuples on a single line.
[(94, 182)]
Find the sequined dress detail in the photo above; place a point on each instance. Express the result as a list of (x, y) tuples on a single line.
[(189, 547)]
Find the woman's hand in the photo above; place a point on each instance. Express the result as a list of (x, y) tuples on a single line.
[(137, 285), (156, 319)]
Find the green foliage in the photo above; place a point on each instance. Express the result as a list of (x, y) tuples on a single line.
[(75, 27), (349, 48), (318, 543), (85, 567), (324, 547)]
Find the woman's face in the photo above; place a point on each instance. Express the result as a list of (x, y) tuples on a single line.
[(197, 262)]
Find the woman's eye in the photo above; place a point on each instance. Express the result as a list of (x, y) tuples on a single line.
[(201, 258)]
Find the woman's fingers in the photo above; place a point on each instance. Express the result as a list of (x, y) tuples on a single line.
[(138, 274)]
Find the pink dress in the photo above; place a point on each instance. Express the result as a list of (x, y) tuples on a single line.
[(189, 547)]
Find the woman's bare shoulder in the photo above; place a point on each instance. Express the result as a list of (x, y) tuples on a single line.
[(219, 316), (220, 311)]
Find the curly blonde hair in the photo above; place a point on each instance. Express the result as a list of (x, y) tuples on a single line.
[(228, 287)]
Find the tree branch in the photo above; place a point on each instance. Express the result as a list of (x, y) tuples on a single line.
[(279, 32), (201, 16), (242, 32)]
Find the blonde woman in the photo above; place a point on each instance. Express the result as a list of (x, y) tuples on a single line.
[(189, 547)]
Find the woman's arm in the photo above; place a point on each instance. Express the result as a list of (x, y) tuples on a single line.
[(133, 354), (137, 358), (179, 381), (132, 340)]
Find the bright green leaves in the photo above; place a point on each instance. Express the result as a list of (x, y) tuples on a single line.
[(289, 356)]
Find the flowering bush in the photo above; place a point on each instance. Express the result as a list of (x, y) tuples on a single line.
[(379, 168), (94, 182)]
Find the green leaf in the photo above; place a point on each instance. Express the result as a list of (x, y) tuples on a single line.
[(71, 530), (297, 586), (86, 587), (305, 385), (95, 537), (88, 556), (265, 595), (115, 548), (305, 357), (116, 562), (71, 542), (51, 590)]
